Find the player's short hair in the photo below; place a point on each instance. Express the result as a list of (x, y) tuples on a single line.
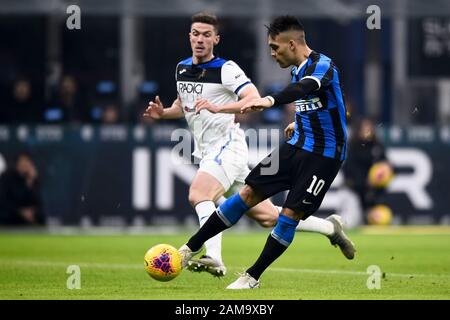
[(208, 18), (284, 23)]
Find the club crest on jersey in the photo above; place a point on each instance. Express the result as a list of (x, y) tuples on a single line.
[(308, 105), (203, 74), (190, 87)]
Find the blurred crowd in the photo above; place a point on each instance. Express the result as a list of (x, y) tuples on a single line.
[(20, 193), (70, 103), (85, 88), (67, 103)]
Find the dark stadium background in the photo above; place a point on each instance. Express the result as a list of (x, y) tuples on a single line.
[(114, 171)]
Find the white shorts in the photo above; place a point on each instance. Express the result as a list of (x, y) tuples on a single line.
[(228, 161)]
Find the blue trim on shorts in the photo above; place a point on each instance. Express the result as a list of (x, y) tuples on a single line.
[(216, 158)]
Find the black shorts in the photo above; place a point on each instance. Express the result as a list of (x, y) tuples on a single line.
[(306, 175)]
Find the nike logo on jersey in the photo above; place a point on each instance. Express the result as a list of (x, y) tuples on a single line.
[(306, 202), (182, 71), (238, 76)]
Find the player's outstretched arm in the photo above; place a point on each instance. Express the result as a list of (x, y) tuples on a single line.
[(157, 111), (292, 92), (248, 93), (258, 104)]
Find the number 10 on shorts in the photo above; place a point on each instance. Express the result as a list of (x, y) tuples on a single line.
[(315, 186)]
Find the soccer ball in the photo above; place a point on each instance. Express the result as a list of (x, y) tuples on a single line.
[(380, 175), (380, 215), (163, 262)]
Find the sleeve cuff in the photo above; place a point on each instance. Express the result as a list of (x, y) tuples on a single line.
[(238, 89), (272, 100)]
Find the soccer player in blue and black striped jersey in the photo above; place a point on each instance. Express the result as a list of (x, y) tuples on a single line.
[(306, 165)]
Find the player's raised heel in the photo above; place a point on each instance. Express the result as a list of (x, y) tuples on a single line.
[(186, 254), (339, 238), (208, 264), (245, 281)]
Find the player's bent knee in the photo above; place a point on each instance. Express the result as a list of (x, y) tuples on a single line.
[(270, 222), (249, 196), (195, 197)]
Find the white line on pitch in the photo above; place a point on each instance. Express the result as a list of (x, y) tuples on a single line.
[(25, 263)]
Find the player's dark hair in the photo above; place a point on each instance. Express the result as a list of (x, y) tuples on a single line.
[(284, 23), (206, 17)]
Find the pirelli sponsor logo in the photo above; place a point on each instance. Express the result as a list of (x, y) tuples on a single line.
[(308, 105)]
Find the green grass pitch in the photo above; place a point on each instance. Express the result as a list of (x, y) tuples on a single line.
[(415, 264)]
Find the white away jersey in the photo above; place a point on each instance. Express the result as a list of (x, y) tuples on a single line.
[(218, 81)]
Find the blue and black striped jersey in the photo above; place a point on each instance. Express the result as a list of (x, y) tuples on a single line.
[(320, 117)]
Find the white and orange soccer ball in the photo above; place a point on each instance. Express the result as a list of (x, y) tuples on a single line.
[(163, 262), (380, 175)]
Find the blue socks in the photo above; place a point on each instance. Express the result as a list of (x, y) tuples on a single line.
[(284, 231), (232, 210)]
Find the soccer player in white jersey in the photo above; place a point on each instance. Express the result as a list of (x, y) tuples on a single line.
[(207, 82)]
